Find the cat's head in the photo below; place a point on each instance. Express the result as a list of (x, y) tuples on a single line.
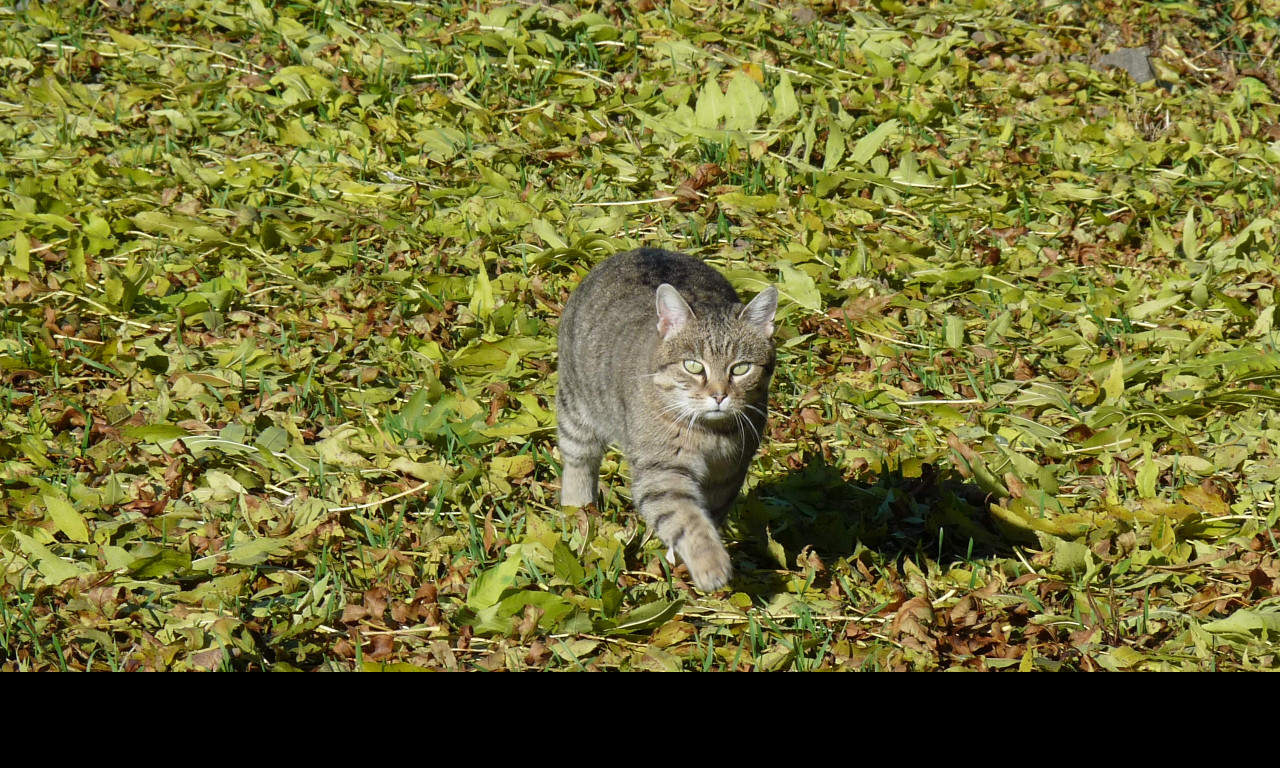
[(716, 368)]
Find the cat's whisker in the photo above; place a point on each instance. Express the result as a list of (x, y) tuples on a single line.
[(672, 426), (754, 431), (678, 409), (680, 435), (693, 419), (672, 407), (677, 424)]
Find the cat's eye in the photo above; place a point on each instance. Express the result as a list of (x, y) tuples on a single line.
[(740, 369), (693, 366)]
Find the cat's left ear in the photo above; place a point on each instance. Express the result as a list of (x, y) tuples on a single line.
[(761, 310)]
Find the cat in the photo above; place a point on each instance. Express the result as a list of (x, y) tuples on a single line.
[(659, 356)]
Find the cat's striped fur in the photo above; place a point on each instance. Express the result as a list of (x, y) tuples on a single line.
[(658, 356)]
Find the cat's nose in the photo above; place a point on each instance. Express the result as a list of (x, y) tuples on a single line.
[(719, 398)]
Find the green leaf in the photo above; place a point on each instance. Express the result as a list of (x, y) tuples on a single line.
[(647, 617), (785, 105), (1262, 326), (553, 606), (162, 563), (1065, 191), (487, 587), (954, 331), (336, 449), (567, 566), (799, 287), (54, 569), (543, 229), (155, 433), (497, 618), (710, 108), (834, 149), (249, 553), (869, 145), (1248, 623), (129, 43), (743, 103), (1190, 248), (1153, 307), (1072, 558), (68, 520), (273, 439), (1122, 657)]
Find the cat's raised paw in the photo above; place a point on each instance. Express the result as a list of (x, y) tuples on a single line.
[(708, 564)]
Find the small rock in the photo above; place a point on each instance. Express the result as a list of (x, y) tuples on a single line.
[(1135, 61), (802, 15)]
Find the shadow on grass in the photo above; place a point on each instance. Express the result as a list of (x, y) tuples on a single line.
[(932, 516)]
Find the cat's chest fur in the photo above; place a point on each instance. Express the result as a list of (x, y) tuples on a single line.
[(724, 453)]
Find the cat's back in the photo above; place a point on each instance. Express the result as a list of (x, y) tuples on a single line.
[(628, 283)]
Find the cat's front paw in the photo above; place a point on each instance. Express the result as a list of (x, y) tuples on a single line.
[(578, 488), (576, 497), (707, 561)]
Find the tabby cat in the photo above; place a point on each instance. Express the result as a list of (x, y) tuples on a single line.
[(658, 356)]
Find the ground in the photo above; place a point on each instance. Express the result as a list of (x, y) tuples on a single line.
[(281, 285)]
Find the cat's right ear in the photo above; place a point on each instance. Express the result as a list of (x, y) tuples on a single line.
[(673, 311)]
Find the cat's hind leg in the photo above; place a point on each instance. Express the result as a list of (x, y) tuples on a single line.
[(581, 452)]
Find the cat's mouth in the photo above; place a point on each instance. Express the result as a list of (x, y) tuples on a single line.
[(716, 414)]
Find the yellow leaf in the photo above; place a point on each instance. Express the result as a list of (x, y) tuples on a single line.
[(431, 471), (126, 42), (1147, 474), (20, 256), (512, 467), (1114, 384), (537, 530), (482, 301), (776, 550), (1177, 512), (1210, 504)]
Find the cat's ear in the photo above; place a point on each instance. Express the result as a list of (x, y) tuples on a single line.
[(761, 310), (673, 310)]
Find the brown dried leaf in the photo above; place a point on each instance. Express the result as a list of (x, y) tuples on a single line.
[(914, 619), (380, 647)]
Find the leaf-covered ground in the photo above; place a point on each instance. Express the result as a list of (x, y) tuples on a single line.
[(281, 285)]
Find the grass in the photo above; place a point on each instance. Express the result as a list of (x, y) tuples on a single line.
[(281, 284)]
